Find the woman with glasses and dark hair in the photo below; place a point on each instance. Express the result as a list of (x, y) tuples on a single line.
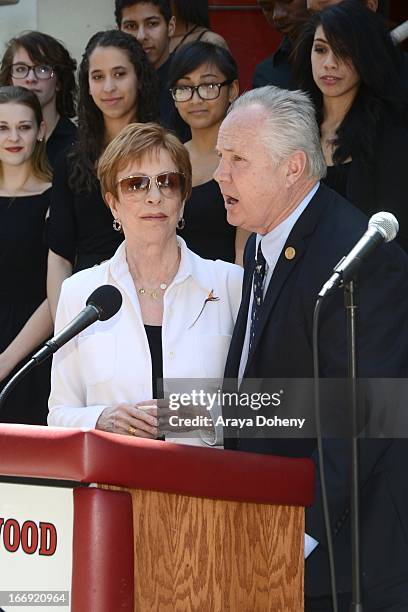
[(39, 62), (25, 182), (192, 24), (204, 81), (348, 63), (117, 85), (178, 310)]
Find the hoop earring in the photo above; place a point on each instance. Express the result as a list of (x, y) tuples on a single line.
[(117, 226), (181, 224)]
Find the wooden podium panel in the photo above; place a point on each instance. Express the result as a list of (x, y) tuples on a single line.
[(194, 554)]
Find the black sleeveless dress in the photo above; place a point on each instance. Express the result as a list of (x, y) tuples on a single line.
[(23, 270), (207, 231)]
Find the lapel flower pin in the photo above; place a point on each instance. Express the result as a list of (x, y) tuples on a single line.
[(210, 298)]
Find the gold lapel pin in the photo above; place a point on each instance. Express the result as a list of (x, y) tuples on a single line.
[(290, 253)]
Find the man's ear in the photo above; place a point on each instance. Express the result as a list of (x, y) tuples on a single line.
[(296, 165), (171, 28)]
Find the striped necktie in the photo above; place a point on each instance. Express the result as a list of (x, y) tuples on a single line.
[(258, 281)]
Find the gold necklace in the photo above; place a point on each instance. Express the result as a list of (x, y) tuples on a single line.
[(154, 293)]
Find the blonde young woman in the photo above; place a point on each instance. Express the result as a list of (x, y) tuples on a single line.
[(25, 181)]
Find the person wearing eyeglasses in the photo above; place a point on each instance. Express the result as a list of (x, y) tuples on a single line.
[(40, 63), (204, 81), (178, 309)]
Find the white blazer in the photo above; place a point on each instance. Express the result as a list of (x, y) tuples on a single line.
[(109, 363)]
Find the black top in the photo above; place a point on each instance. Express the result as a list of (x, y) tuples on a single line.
[(381, 184), (80, 225), (23, 272), (169, 116), (337, 177), (276, 69), (63, 135), (154, 338), (207, 231)]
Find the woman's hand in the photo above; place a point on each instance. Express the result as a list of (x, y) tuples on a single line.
[(184, 417), (131, 420)]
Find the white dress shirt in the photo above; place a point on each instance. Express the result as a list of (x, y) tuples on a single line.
[(272, 245)]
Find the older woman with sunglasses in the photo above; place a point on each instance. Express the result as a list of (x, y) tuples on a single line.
[(178, 310)]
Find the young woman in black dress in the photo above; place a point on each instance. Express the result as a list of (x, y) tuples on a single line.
[(25, 182), (204, 81), (39, 62), (117, 86), (348, 63)]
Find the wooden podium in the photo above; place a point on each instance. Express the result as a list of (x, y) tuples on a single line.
[(172, 527)]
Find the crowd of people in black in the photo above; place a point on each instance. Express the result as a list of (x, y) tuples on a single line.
[(163, 65)]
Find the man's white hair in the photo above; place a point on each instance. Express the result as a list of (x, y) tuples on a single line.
[(290, 125)]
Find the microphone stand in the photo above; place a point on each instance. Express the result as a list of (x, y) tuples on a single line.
[(350, 304), (16, 378)]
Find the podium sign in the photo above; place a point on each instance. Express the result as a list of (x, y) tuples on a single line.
[(36, 530)]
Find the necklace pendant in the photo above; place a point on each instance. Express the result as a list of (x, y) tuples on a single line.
[(142, 291), (154, 295), (163, 286)]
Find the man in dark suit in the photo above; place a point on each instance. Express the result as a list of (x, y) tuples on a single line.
[(287, 17), (269, 171)]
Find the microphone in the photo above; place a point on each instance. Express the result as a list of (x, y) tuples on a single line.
[(101, 305), (382, 227)]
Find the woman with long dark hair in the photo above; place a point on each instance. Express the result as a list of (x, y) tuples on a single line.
[(39, 62), (192, 24), (25, 182), (117, 86), (204, 81), (346, 60)]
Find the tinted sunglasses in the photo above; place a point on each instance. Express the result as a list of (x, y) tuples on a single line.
[(138, 186)]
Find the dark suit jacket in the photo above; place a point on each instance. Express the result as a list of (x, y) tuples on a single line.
[(282, 348), (276, 69)]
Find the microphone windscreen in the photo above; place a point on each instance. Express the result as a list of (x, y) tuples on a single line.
[(107, 300), (386, 224)]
